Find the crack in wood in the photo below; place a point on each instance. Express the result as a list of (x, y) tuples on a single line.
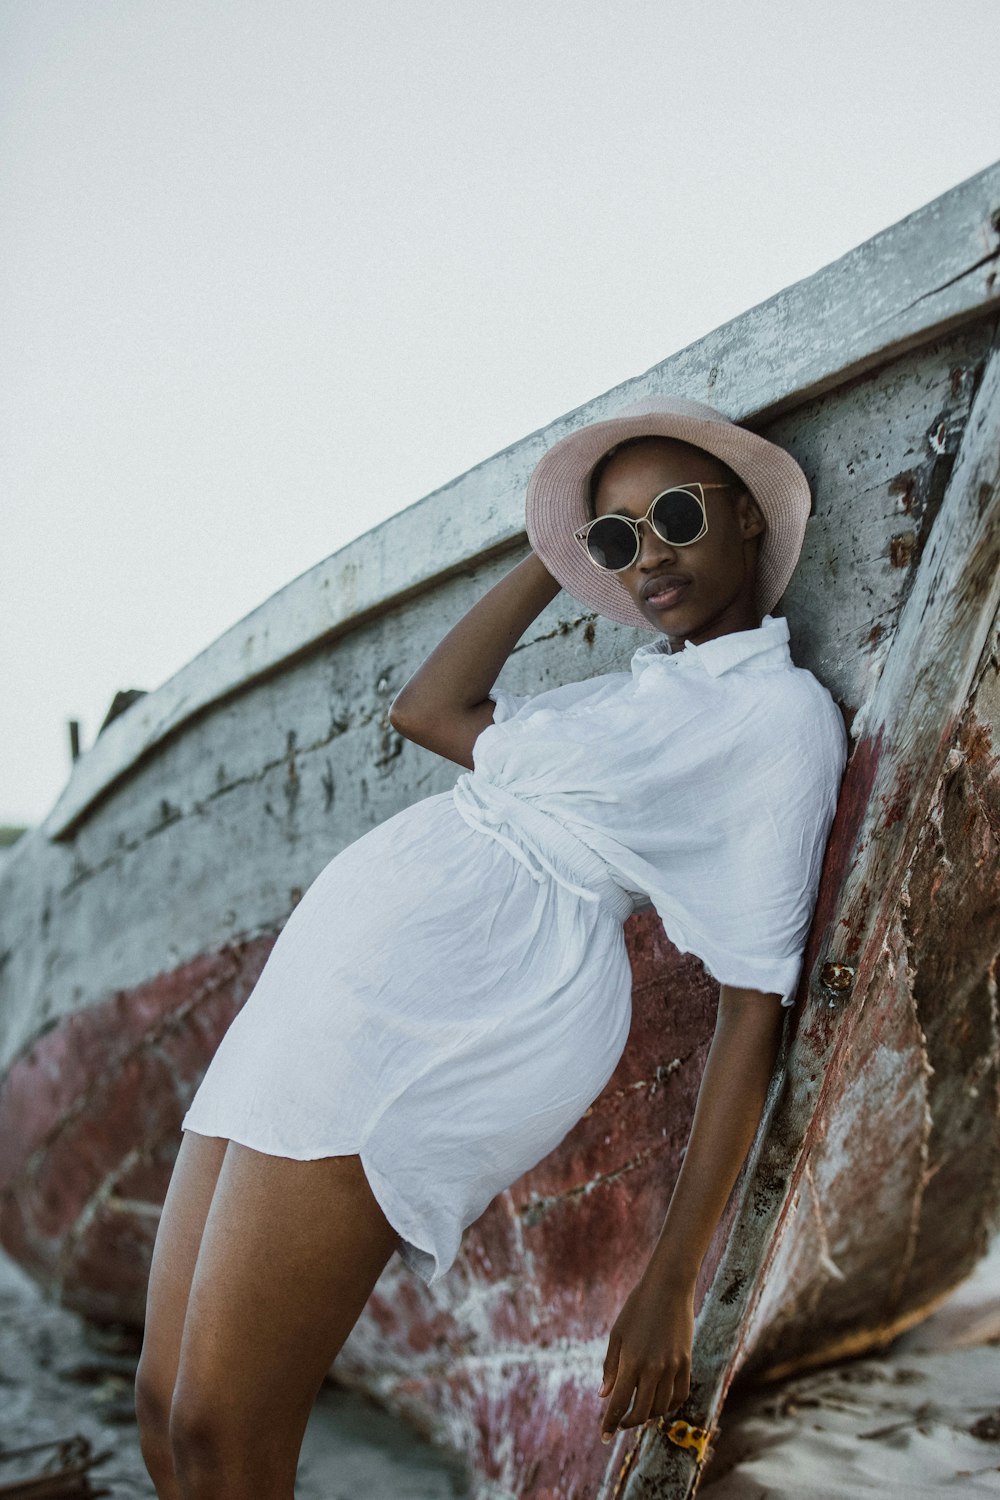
[(934, 291), (82, 872), (526, 1255), (826, 1260), (927, 1119), (81, 1225), (534, 1212)]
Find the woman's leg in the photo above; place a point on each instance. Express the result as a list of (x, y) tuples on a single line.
[(189, 1197), (289, 1255)]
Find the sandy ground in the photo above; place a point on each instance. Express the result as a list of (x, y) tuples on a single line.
[(923, 1419), (59, 1377)]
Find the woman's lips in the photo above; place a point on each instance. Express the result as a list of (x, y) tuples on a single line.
[(668, 598)]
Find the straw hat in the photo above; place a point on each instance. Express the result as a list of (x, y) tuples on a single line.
[(556, 503)]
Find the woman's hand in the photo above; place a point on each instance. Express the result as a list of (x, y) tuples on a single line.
[(648, 1364)]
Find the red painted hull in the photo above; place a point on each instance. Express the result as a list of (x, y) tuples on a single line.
[(90, 1124)]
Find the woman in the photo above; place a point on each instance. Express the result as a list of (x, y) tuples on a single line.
[(453, 990)]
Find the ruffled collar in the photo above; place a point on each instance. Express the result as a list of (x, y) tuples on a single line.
[(766, 647)]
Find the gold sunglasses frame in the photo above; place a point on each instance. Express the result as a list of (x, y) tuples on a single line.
[(635, 522)]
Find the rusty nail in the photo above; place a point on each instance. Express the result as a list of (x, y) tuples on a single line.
[(837, 979)]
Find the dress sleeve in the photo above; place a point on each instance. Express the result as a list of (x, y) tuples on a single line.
[(733, 861), (506, 705)]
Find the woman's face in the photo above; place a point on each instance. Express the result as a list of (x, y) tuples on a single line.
[(716, 575)]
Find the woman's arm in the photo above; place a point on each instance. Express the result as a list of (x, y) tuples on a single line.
[(443, 706), (649, 1350)]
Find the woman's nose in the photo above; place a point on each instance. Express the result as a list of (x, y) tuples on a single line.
[(652, 548)]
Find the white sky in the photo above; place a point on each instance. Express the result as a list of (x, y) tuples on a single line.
[(273, 271)]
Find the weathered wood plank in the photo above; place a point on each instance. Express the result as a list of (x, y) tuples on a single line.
[(926, 274), (910, 719)]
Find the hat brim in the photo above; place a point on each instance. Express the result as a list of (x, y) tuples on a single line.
[(556, 503)]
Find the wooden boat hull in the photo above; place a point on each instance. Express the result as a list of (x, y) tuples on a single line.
[(134, 922)]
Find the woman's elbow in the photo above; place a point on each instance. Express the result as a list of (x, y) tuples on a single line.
[(404, 717), (396, 716)]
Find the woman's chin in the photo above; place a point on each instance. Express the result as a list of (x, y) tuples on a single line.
[(671, 620)]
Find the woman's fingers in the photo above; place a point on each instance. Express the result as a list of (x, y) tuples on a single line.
[(664, 1398), (618, 1401), (642, 1406), (664, 1402), (611, 1363), (650, 1397), (672, 1391), (639, 1395)]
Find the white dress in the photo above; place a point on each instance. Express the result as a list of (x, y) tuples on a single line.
[(453, 990)]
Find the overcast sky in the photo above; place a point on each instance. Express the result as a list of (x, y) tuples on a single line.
[(273, 271)]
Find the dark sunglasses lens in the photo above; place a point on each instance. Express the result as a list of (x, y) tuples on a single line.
[(677, 516), (611, 543)]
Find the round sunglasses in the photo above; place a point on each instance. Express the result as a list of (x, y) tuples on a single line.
[(677, 516)]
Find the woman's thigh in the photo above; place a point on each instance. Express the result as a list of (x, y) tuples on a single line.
[(178, 1239), (289, 1255)]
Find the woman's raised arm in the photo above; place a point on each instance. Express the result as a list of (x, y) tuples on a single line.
[(444, 706)]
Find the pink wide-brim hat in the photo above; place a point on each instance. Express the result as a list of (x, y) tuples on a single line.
[(556, 503)]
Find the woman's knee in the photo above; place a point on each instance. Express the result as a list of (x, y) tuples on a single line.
[(200, 1441), (225, 1453), (152, 1409), (198, 1433)]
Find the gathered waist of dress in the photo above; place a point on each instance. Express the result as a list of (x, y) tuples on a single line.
[(539, 842)]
